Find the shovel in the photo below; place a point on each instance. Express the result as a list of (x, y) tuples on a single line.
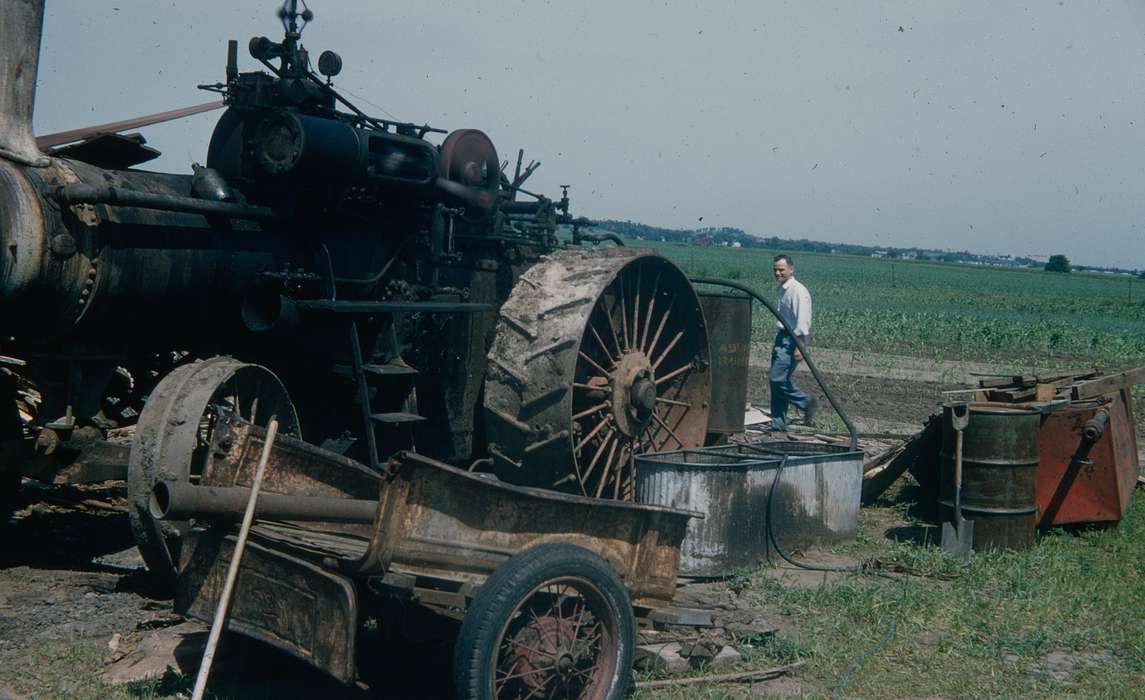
[(958, 537)]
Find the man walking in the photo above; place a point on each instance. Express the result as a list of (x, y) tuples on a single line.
[(795, 308)]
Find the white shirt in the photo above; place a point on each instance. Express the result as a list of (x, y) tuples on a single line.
[(795, 307)]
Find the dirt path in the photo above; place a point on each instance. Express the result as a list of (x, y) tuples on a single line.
[(874, 403)]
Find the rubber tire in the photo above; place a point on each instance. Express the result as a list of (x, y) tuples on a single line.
[(503, 591)]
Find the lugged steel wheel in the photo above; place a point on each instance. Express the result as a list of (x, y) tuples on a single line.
[(174, 433), (599, 355)]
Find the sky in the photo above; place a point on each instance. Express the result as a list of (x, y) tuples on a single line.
[(986, 125)]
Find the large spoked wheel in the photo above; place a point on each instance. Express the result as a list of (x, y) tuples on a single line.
[(173, 435), (600, 355), (551, 622)]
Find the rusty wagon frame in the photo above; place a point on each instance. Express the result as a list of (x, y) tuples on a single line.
[(545, 583)]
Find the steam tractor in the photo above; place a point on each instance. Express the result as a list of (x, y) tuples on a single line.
[(374, 290)]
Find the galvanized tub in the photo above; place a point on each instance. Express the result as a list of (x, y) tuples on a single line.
[(999, 466), (817, 501)]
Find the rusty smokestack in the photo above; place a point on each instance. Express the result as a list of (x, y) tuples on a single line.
[(21, 26)]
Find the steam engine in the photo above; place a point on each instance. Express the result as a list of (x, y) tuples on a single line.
[(303, 198), (400, 293)]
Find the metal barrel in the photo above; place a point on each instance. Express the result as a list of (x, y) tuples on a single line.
[(728, 317), (179, 500), (999, 468)]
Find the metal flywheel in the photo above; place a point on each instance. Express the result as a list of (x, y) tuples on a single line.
[(600, 355)]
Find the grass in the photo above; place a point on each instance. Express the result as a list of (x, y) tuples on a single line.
[(1061, 619), (1001, 628), (72, 669)]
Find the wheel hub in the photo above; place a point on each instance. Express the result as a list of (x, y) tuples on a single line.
[(542, 647), (633, 393)]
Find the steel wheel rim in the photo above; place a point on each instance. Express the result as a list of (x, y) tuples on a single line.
[(173, 436), (631, 382), (565, 647)]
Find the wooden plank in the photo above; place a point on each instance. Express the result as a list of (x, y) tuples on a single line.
[(1045, 392), (1104, 385), (1068, 376), (1012, 395), (1016, 380)]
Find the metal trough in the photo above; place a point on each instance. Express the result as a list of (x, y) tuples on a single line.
[(817, 501)]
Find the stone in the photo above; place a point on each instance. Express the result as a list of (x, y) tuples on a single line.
[(175, 649), (663, 657)]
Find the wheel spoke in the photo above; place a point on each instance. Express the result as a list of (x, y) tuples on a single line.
[(593, 363), (592, 434), (630, 484), (651, 308), (664, 355), (600, 341), (660, 327), (611, 326), (673, 402), (592, 409), (579, 620), (674, 373), (603, 386), (596, 457), (607, 467), (656, 417), (619, 472), (636, 309), (623, 313), (538, 688)]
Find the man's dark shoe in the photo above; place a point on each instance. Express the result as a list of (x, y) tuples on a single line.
[(810, 411)]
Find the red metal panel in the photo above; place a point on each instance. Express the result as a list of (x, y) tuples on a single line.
[(1083, 482)]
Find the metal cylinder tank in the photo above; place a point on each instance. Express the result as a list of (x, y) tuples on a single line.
[(116, 268), (816, 500), (729, 339), (733, 533), (999, 466)]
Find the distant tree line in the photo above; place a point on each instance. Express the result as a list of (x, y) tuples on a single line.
[(728, 236)]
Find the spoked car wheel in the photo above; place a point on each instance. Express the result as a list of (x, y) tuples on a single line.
[(173, 435), (551, 622)]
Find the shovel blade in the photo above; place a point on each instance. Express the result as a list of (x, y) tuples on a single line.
[(958, 539)]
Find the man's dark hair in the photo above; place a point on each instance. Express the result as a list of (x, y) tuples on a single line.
[(785, 258)]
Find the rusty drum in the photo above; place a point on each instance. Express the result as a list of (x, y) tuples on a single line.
[(999, 466), (729, 338)]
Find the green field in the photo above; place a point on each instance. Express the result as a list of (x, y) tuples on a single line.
[(1058, 620), (1029, 318)]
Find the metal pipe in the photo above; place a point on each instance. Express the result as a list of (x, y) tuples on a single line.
[(1094, 428), (179, 500), (115, 196), (20, 31), (598, 238), (233, 571), (61, 137), (529, 208), (798, 343)]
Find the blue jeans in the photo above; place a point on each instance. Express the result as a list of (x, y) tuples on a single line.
[(783, 390)]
